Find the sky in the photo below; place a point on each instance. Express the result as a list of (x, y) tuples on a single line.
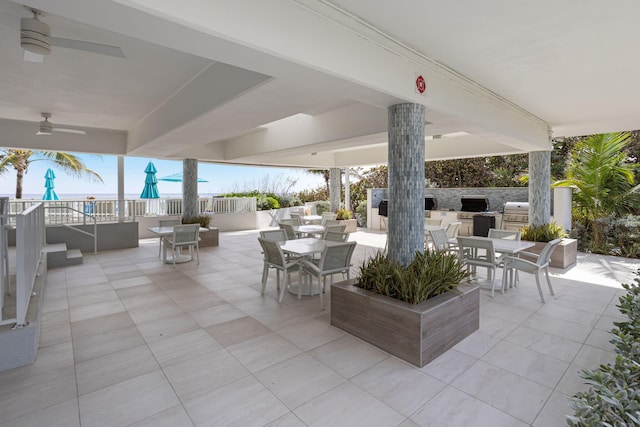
[(221, 178)]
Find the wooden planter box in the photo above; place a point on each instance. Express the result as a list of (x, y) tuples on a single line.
[(415, 333), (352, 225), (565, 255), (209, 238)]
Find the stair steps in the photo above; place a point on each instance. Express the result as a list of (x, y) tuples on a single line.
[(59, 256)]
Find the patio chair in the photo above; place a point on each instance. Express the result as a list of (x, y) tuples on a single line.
[(335, 236), (504, 234), (440, 240), (541, 264), (288, 228), (334, 259), (275, 258), (183, 235), (296, 215), (478, 252), (326, 216), (452, 234), (279, 235), (331, 223), (291, 221), (166, 223), (338, 228)]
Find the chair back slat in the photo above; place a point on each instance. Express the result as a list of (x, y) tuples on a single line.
[(291, 221), (477, 249), (440, 240), (504, 234), (339, 228), (185, 233), (452, 230), (277, 235), (169, 222), (288, 228), (272, 252), (327, 216), (337, 256), (335, 236), (547, 251)]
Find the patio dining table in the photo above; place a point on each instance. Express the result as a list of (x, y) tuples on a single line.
[(308, 229), (305, 247), (168, 231)]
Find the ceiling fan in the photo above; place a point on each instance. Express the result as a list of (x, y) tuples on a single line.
[(47, 128), (36, 40)]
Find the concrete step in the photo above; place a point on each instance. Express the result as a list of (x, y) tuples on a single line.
[(59, 256)]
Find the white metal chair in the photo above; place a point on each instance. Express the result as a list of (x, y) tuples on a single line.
[(541, 264), (326, 216), (335, 236), (338, 228), (275, 258), (288, 228), (291, 221), (279, 235), (478, 252), (452, 234), (183, 235), (334, 259), (506, 235), (166, 223), (440, 240)]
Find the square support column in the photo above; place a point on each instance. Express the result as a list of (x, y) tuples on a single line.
[(539, 187), (190, 188)]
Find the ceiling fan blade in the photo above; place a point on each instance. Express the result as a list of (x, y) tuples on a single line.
[(102, 49), (75, 131)]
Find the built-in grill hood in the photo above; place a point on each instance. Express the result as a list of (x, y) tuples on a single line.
[(473, 203)]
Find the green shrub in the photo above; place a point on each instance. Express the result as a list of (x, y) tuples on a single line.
[(542, 233), (203, 220), (614, 396), (617, 236), (344, 214), (361, 213), (322, 206), (430, 273)]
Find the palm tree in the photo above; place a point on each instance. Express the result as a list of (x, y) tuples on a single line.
[(21, 159), (325, 174), (603, 177)]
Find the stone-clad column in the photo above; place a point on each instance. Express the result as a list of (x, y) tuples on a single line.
[(539, 187), (189, 188), (334, 189), (406, 181)]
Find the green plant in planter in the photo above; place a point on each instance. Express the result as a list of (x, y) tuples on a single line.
[(344, 214), (542, 233), (430, 273), (613, 398), (203, 220)]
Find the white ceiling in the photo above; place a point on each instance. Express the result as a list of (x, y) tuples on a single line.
[(273, 82)]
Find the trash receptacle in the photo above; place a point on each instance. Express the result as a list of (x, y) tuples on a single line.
[(482, 224)]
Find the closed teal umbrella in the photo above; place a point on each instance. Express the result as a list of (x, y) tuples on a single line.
[(50, 194), (150, 190)]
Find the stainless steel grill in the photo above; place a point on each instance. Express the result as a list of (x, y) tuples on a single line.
[(516, 215)]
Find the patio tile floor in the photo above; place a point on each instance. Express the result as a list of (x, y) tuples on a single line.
[(127, 340)]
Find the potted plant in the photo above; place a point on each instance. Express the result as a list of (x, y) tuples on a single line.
[(415, 312), (564, 255), (346, 217), (207, 238)]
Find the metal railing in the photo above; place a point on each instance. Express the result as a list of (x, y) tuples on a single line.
[(30, 238), (70, 211)]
